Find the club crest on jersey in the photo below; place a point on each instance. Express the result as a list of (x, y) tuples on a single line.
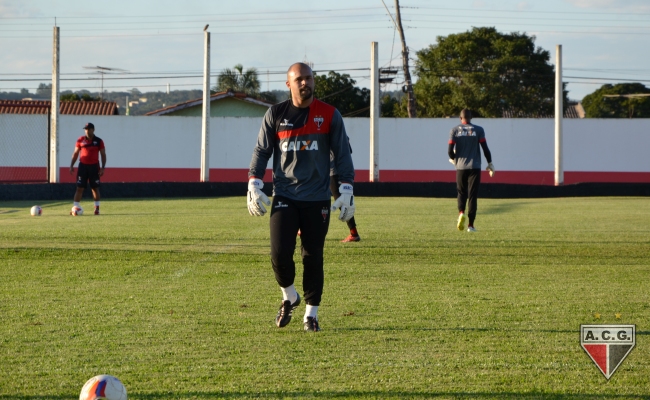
[(299, 145), (286, 123), (319, 120)]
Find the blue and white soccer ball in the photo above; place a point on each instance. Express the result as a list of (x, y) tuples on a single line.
[(103, 387), (36, 211), (76, 211)]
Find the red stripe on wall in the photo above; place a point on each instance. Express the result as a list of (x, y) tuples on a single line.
[(572, 177), (23, 174), (512, 177), (509, 177), (169, 175), (39, 174)]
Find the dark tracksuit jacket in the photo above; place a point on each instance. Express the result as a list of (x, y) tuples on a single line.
[(300, 141)]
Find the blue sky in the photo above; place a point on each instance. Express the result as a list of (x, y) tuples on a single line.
[(162, 41)]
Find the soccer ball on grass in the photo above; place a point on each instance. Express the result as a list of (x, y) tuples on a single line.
[(103, 387), (36, 211), (76, 211)]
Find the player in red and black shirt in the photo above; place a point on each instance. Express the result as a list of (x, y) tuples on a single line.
[(299, 134), (88, 148)]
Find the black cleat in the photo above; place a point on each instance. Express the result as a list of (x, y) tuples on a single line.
[(311, 325), (284, 313)]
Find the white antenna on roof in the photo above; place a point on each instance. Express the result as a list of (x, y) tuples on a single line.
[(102, 71)]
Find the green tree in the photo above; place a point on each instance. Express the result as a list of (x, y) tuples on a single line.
[(238, 80), (339, 90), (78, 97), (44, 91), (598, 105), (486, 71), (389, 106), (69, 97)]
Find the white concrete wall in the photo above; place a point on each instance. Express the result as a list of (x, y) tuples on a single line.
[(23, 140), (607, 145), (419, 144)]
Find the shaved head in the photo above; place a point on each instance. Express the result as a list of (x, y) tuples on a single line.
[(466, 114), (300, 81), (299, 66)]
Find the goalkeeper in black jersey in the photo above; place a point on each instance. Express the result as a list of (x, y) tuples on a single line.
[(300, 133)]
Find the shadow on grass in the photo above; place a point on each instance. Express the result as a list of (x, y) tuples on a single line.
[(350, 395), (500, 208), (508, 329)]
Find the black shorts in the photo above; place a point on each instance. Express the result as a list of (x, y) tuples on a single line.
[(88, 173)]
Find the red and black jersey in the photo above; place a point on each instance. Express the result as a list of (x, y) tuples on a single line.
[(90, 148), (300, 141)]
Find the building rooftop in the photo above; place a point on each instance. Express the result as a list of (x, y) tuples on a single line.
[(213, 97), (65, 107)]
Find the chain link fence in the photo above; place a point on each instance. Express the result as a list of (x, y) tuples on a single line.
[(23, 148)]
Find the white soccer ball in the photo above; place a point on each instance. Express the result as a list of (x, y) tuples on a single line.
[(103, 387), (36, 211), (76, 211)]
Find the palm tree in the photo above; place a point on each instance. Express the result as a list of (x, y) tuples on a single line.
[(238, 80)]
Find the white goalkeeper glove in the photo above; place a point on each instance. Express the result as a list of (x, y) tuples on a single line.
[(453, 162), (257, 198), (490, 169), (345, 202)]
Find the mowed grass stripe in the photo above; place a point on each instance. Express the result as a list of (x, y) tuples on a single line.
[(176, 297)]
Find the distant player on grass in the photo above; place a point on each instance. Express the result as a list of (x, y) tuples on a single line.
[(465, 155), (88, 148), (300, 133)]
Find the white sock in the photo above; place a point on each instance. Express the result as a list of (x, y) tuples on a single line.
[(289, 293), (76, 204), (97, 204), (310, 311)]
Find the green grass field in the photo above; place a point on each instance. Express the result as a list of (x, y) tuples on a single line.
[(177, 298)]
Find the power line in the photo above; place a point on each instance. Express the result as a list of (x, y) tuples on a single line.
[(535, 12), (201, 20), (113, 77), (224, 33), (599, 26), (292, 11), (466, 16), (221, 26)]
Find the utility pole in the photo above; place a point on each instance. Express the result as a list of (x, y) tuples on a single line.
[(559, 114), (405, 65), (54, 111), (205, 126), (374, 112)]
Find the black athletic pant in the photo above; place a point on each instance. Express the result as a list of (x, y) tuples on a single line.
[(334, 187), (313, 219), (467, 183)]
